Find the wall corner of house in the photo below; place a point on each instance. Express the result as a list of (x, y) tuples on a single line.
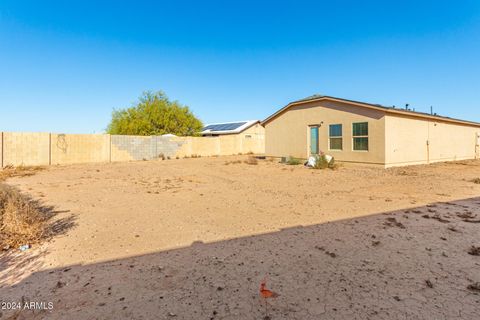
[(1, 150)]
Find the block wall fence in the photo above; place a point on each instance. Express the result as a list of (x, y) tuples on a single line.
[(41, 149)]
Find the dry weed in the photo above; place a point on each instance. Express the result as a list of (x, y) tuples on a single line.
[(21, 171), (22, 220), (232, 162), (293, 161)]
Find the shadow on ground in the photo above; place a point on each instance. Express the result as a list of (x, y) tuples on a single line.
[(26, 212), (407, 264)]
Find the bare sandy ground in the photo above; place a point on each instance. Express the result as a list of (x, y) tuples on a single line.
[(193, 238)]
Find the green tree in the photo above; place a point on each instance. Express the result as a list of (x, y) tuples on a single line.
[(154, 114)]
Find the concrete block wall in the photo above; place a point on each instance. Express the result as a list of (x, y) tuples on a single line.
[(25, 149), (222, 145), (230, 144), (128, 148), (253, 140), (167, 146), (38, 149), (79, 148), (200, 146)]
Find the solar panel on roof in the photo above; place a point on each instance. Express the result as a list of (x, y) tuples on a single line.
[(224, 126)]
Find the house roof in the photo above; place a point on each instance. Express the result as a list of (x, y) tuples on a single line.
[(391, 110), (228, 127)]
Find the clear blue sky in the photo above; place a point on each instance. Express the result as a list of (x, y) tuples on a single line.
[(64, 65)]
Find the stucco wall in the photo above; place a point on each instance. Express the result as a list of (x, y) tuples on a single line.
[(288, 134), (1, 150), (412, 140)]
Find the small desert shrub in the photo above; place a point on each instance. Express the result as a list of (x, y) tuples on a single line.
[(251, 160), (476, 180), (333, 165), (22, 220), (293, 161), (322, 163)]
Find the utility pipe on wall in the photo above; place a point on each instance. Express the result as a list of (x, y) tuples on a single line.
[(428, 142)]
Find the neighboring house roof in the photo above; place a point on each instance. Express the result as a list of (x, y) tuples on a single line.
[(391, 110), (228, 127)]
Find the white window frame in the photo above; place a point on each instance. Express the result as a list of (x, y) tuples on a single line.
[(367, 136), (335, 137)]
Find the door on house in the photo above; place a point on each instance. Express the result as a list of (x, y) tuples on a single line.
[(314, 140)]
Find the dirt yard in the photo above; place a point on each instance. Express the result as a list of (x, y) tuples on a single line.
[(193, 239)]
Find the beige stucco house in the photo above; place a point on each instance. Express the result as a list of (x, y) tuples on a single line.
[(240, 136), (353, 131)]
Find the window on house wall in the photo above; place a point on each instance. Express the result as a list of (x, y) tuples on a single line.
[(336, 137), (360, 136)]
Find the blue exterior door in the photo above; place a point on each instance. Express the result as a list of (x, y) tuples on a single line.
[(313, 140)]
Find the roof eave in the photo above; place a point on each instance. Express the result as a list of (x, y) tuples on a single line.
[(370, 106)]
